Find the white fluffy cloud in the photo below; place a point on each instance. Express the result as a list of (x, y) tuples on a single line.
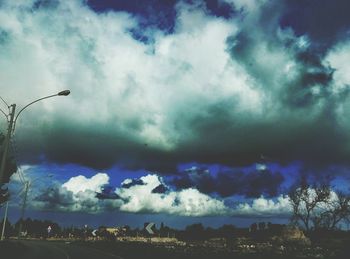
[(81, 183), (188, 202), (78, 194), (337, 58), (116, 80), (265, 207), (96, 57)]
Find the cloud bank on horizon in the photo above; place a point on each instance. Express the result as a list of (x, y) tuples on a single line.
[(222, 86), (78, 194)]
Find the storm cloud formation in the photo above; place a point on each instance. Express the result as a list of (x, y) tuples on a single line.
[(214, 88), (78, 194), (251, 184)]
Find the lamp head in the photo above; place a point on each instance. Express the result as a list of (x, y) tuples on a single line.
[(64, 93)]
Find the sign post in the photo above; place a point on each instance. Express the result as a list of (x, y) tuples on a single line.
[(48, 231)]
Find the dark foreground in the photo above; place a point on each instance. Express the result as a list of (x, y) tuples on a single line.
[(40, 249), (37, 249)]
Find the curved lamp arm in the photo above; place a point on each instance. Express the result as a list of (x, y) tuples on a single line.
[(62, 93)]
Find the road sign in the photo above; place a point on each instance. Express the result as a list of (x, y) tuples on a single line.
[(150, 228), (94, 232)]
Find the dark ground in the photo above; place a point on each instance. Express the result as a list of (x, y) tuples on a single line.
[(138, 251), (37, 249), (41, 249)]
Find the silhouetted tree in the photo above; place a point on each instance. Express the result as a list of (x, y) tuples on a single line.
[(262, 226), (38, 228), (338, 210), (9, 230), (253, 227), (195, 231), (318, 207), (227, 231)]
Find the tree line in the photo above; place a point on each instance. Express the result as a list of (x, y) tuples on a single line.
[(39, 229)]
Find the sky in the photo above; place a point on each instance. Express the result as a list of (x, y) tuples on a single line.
[(180, 111)]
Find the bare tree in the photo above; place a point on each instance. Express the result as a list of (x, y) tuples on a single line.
[(316, 207), (337, 211)]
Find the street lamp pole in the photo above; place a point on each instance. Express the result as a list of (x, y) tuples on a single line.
[(12, 126), (4, 221), (7, 142)]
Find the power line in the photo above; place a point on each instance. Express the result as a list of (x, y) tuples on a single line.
[(8, 106), (4, 114)]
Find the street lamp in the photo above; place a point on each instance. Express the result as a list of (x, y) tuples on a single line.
[(12, 126), (62, 93), (10, 130)]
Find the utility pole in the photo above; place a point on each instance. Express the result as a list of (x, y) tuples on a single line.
[(7, 143), (4, 223), (23, 208)]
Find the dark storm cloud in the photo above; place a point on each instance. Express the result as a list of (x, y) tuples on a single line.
[(133, 182), (250, 184), (56, 197), (223, 139), (97, 146), (297, 92), (160, 189), (101, 151), (213, 90), (317, 141), (300, 91), (107, 192)]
